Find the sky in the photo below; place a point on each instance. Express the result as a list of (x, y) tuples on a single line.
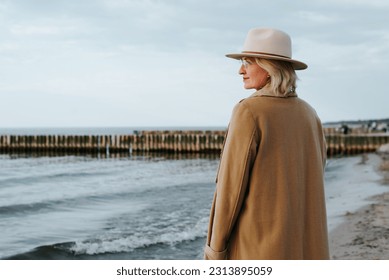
[(133, 63)]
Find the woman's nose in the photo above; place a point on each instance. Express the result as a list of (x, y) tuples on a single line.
[(242, 70)]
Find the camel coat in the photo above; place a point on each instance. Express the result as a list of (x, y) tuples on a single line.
[(269, 201)]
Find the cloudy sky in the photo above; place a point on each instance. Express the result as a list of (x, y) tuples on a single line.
[(70, 63)]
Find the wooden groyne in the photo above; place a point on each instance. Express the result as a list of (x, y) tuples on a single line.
[(172, 142), (146, 141), (339, 144)]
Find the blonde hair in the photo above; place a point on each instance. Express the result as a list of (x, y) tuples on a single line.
[(283, 77)]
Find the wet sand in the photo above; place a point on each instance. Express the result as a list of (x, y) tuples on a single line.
[(364, 233)]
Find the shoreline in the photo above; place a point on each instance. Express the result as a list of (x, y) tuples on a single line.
[(363, 233)]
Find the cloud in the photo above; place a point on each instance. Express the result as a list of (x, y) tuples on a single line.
[(8, 47), (365, 3), (318, 17), (34, 30)]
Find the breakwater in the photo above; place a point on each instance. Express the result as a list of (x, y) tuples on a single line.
[(144, 141), (166, 142), (352, 144)]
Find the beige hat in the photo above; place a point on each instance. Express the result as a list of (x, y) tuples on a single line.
[(268, 43)]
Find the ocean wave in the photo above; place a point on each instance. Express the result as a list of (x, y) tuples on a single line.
[(81, 200), (59, 251), (139, 240), (29, 208), (60, 183), (118, 248)]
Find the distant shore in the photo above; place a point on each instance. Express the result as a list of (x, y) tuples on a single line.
[(364, 233)]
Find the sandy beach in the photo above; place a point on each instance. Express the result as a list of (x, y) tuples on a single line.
[(363, 233)]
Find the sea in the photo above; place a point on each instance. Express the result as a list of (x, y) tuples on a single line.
[(131, 207)]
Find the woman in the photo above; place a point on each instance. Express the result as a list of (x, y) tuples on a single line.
[(269, 201)]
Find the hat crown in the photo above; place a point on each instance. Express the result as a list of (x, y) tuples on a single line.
[(268, 41)]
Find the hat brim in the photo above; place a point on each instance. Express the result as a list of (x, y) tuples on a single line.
[(297, 65)]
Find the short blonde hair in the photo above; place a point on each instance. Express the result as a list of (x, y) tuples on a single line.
[(283, 77)]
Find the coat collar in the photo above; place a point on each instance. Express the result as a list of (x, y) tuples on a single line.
[(267, 92)]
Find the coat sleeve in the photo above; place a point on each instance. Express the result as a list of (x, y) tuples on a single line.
[(233, 175)]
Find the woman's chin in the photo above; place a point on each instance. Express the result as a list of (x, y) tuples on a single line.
[(247, 86)]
